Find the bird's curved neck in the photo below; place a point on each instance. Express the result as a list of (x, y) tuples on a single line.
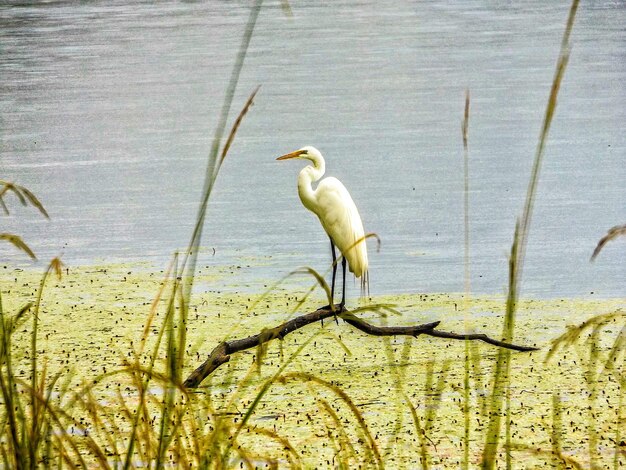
[(306, 178)]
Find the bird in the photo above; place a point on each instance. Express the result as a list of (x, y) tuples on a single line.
[(331, 202)]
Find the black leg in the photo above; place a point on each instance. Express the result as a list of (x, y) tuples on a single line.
[(343, 292), (332, 285)]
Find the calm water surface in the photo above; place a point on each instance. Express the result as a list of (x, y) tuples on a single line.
[(107, 111)]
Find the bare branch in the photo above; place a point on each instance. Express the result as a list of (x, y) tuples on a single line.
[(222, 352)]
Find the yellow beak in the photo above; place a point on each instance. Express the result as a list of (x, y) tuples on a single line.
[(295, 154)]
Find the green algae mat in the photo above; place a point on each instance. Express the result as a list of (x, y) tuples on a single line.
[(346, 399)]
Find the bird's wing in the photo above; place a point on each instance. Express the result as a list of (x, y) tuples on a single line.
[(342, 222)]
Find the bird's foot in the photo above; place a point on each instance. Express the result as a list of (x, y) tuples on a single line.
[(338, 308)]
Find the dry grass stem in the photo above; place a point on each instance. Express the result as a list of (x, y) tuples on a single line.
[(612, 234)]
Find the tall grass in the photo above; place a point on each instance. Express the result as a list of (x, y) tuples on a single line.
[(599, 363), (25, 197), (467, 283), (500, 389), (31, 426)]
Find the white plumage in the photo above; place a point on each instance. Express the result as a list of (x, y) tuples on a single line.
[(341, 221), (334, 207)]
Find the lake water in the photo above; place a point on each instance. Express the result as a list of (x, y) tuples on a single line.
[(108, 108)]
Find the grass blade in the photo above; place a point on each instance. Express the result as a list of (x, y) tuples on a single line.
[(518, 251), (612, 234), (17, 242), (189, 264), (467, 280), (34, 201), (235, 127)]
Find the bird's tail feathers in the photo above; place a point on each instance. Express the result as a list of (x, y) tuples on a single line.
[(365, 284)]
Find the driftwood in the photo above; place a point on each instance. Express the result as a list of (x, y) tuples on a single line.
[(222, 352)]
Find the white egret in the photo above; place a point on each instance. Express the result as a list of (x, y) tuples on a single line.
[(333, 205)]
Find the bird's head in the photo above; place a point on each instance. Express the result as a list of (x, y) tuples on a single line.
[(308, 153)]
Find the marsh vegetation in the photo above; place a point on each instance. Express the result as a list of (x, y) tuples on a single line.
[(325, 395), (93, 358)]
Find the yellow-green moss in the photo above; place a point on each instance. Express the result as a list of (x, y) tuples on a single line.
[(93, 318)]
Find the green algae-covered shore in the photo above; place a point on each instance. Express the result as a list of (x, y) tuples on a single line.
[(92, 319)]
